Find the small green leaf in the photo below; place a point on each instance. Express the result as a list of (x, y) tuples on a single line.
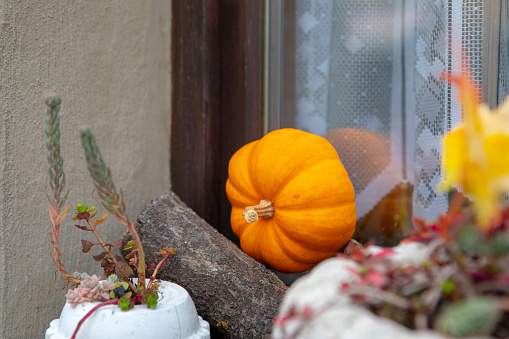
[(448, 286), (113, 278), (499, 245), (79, 275), (152, 303), (90, 209), (469, 239), (149, 298), (468, 317), (80, 208), (129, 245), (125, 304), (119, 289)]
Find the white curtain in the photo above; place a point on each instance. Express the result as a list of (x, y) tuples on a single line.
[(368, 78)]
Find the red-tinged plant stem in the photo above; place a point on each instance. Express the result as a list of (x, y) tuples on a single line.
[(157, 269), (131, 285), (141, 254), (124, 220), (112, 199), (89, 313), (56, 255), (101, 242), (384, 296)]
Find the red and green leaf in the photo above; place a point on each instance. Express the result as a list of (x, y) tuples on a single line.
[(130, 244), (103, 218)]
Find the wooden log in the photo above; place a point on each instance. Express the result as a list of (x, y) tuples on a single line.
[(234, 293)]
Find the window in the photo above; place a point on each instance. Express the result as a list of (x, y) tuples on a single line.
[(366, 75), (363, 73)]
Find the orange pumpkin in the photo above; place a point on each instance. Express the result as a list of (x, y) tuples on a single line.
[(293, 204)]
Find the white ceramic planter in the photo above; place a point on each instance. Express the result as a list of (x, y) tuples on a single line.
[(174, 317)]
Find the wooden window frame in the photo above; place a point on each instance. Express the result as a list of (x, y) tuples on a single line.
[(217, 98)]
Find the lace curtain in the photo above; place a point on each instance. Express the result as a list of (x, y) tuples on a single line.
[(368, 79), (503, 80)]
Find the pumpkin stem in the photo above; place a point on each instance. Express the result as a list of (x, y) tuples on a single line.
[(264, 210)]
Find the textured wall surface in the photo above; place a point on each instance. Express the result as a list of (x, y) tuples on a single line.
[(110, 63)]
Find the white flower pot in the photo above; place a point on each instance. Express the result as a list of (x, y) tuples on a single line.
[(174, 317)]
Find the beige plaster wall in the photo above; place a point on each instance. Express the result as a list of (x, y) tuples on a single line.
[(110, 62)]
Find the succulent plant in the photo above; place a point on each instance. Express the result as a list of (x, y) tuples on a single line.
[(118, 288), (461, 288)]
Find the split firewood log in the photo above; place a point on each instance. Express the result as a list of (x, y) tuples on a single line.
[(234, 293)]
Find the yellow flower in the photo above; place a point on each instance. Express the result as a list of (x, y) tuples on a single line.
[(476, 153)]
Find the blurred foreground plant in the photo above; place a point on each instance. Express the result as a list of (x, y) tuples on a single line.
[(461, 288), (476, 153)]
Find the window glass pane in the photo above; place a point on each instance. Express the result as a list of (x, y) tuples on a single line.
[(366, 75)]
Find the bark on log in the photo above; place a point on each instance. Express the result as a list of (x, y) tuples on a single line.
[(233, 292)]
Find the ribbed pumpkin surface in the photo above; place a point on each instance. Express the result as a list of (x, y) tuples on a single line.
[(313, 199)]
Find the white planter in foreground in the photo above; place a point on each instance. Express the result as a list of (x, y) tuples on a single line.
[(174, 317), (315, 308)]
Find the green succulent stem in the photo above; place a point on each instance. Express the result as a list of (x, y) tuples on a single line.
[(56, 181), (56, 162), (111, 199)]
